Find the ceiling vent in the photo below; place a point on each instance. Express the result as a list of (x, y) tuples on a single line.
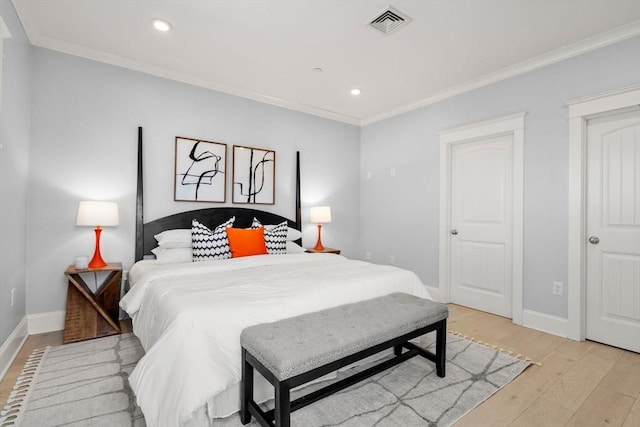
[(389, 20)]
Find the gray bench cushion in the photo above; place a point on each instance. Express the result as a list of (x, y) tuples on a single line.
[(293, 346)]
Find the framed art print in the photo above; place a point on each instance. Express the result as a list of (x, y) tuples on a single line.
[(200, 171), (254, 174)]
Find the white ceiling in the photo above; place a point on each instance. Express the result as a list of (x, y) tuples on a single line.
[(267, 50)]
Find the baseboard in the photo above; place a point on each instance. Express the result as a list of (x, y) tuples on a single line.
[(31, 324), (545, 322), (9, 350), (41, 323)]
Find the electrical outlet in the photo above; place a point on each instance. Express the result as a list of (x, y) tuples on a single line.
[(392, 259), (13, 296), (367, 255), (557, 289), (393, 172), (369, 176)]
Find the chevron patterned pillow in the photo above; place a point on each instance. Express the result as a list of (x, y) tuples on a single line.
[(209, 244), (275, 238)]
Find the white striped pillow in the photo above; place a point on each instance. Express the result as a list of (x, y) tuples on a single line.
[(275, 237), (209, 244)]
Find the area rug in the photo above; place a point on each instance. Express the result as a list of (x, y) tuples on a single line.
[(85, 384)]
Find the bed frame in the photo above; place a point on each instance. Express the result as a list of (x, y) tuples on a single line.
[(211, 217)]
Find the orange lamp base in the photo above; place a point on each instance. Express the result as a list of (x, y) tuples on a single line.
[(97, 261), (318, 246)]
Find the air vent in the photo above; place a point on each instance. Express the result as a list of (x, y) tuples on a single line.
[(390, 20)]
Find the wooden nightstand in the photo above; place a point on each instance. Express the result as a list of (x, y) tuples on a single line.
[(324, 251), (92, 314)]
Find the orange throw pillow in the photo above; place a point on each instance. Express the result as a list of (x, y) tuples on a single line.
[(246, 241)]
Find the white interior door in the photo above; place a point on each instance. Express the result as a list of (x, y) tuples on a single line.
[(613, 230), (481, 224)]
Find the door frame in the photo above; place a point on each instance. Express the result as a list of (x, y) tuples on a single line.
[(506, 125), (4, 34), (581, 110)]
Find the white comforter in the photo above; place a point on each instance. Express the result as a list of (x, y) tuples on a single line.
[(189, 318)]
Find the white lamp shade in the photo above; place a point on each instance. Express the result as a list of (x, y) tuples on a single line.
[(320, 214), (104, 214)]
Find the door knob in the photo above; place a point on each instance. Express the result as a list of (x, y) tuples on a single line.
[(454, 231), (594, 240)]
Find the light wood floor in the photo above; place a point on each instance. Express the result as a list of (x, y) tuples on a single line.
[(579, 383)]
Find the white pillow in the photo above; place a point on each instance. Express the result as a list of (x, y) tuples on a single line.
[(167, 255), (178, 238), (294, 248), (292, 233)]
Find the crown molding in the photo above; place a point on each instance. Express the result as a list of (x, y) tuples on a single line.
[(604, 39), (87, 53), (607, 38)]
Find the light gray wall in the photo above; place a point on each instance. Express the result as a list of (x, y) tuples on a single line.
[(14, 162), (84, 118), (400, 215), (83, 146)]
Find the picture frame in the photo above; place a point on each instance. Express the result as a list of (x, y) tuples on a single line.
[(254, 175), (200, 173)]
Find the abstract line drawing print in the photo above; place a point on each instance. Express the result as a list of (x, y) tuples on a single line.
[(200, 171), (253, 175)]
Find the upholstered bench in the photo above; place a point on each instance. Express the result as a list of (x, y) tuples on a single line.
[(294, 351)]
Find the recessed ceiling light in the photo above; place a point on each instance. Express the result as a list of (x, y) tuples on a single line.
[(161, 25), (355, 91)]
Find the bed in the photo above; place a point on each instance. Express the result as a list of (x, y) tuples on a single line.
[(189, 315)]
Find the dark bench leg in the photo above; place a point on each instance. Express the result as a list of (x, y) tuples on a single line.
[(282, 405), (441, 348), (397, 350), (246, 387)]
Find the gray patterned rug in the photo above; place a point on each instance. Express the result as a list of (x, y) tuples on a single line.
[(85, 384)]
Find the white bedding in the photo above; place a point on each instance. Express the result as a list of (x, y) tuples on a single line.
[(189, 318)]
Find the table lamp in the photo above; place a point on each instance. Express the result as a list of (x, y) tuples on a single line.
[(98, 214), (320, 215)]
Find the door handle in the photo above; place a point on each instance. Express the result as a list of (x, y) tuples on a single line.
[(454, 232), (594, 240)]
